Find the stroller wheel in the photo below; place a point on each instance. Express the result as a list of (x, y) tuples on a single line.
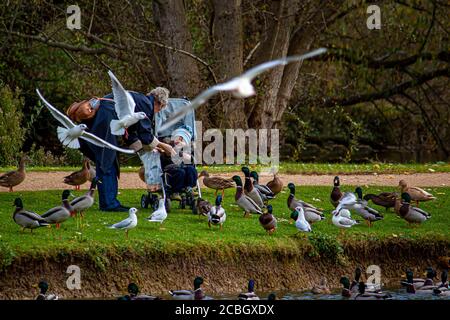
[(144, 203), (168, 204)]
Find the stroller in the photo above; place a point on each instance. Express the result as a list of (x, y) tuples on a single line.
[(153, 161)]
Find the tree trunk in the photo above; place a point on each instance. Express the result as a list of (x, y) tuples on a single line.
[(184, 75), (228, 51)]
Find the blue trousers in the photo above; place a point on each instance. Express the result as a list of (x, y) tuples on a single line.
[(181, 177), (108, 188)]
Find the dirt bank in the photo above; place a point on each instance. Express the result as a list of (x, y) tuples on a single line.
[(156, 271), (54, 180)]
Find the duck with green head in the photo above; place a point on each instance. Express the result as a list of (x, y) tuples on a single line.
[(58, 215), (27, 219), (364, 295), (336, 193), (250, 294), (264, 191), (250, 190), (268, 221), (84, 202), (346, 291), (196, 294), (43, 295), (414, 285), (312, 214), (133, 294), (412, 215), (217, 215), (243, 201), (443, 289)]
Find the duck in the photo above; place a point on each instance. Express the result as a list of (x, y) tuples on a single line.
[(58, 215), (321, 288), (364, 295), (92, 172), (275, 185), (79, 177), (443, 289), (196, 294), (346, 291), (272, 296), (384, 199), (417, 286), (141, 173), (264, 191), (417, 194), (342, 219), (268, 221), (412, 215), (160, 214), (243, 201), (216, 183), (27, 219), (43, 295), (302, 225), (203, 206), (312, 214), (133, 294), (84, 202), (14, 178), (336, 193), (369, 287), (128, 223), (250, 190), (217, 214), (250, 294)]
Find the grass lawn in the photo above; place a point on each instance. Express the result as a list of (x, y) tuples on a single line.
[(183, 230), (301, 168)]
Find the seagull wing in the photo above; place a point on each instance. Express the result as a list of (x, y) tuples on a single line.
[(58, 115), (122, 224), (92, 138), (124, 102)]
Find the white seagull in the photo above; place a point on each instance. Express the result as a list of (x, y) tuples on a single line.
[(160, 214), (124, 105), (128, 223), (70, 133), (240, 86), (301, 223), (343, 219)]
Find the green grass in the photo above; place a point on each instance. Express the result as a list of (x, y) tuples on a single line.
[(300, 168), (184, 231)]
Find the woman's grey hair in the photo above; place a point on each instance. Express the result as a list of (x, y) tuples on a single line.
[(161, 94)]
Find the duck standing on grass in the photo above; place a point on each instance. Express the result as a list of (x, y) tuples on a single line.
[(217, 215), (417, 194), (160, 214), (312, 214), (79, 177), (250, 294), (250, 190), (268, 221), (275, 185), (243, 201), (27, 219), (128, 223), (412, 215), (301, 223), (13, 178), (216, 183), (264, 191), (83, 203), (384, 199), (43, 295), (336, 193), (58, 215), (197, 294), (203, 207)]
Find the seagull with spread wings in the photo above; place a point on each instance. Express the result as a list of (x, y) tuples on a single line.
[(70, 133), (124, 105), (240, 86)]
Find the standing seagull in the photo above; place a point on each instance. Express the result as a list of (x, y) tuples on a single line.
[(240, 86), (300, 222), (124, 105), (128, 223), (70, 133), (160, 214)]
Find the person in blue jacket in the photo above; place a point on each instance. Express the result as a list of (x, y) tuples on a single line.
[(97, 114)]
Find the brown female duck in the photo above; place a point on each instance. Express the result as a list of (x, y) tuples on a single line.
[(216, 183), (276, 185), (13, 178), (79, 177), (416, 194), (384, 199)]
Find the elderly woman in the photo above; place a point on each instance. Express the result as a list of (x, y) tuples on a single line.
[(97, 114)]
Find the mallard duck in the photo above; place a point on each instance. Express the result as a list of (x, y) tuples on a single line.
[(250, 190), (13, 178), (416, 194), (443, 289), (268, 221), (343, 219), (346, 292), (58, 215), (298, 215), (321, 288), (272, 296), (160, 214), (364, 295), (79, 177), (416, 285), (243, 201), (92, 172), (250, 294), (369, 287), (27, 219), (197, 294), (43, 295), (264, 191), (128, 223), (203, 207), (84, 202), (312, 214), (384, 199), (336, 193), (275, 185), (216, 214), (216, 183), (133, 294), (412, 215), (141, 173)]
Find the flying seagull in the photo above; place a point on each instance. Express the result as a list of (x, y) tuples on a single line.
[(240, 86), (124, 105), (70, 133)]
